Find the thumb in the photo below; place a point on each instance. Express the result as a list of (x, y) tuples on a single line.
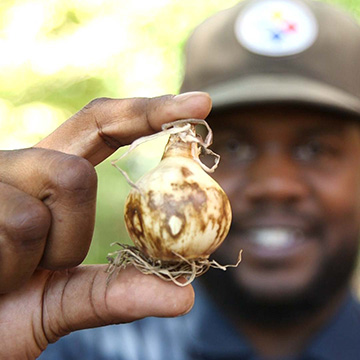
[(87, 300), (55, 303)]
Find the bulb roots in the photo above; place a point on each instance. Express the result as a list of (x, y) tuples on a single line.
[(166, 270)]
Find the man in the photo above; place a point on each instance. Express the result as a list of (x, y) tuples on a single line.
[(285, 85), (284, 116)]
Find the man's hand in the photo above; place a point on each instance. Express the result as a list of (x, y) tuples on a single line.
[(47, 212)]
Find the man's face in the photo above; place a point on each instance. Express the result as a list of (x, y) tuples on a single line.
[(293, 180)]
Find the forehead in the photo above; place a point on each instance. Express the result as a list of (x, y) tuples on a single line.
[(291, 120)]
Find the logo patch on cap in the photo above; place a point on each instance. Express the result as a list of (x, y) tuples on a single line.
[(276, 27)]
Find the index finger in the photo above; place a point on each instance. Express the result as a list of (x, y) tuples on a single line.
[(104, 125)]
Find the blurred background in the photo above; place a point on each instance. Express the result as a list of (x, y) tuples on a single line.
[(58, 55)]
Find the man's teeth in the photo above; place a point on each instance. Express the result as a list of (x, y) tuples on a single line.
[(274, 237)]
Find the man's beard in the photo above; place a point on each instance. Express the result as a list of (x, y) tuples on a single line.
[(333, 276)]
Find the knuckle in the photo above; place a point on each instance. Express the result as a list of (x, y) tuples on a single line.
[(29, 222), (76, 174)]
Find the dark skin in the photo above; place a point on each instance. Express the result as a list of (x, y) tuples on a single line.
[(47, 197), (291, 174)]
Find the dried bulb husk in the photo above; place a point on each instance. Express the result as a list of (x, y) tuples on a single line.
[(177, 208)]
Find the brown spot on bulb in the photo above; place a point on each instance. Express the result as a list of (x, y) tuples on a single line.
[(186, 172)]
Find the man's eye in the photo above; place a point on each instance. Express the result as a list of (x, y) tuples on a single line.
[(238, 150), (312, 150)]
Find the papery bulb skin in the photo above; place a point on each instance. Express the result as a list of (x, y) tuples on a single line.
[(179, 209)]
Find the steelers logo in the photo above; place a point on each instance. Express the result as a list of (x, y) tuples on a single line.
[(276, 27)]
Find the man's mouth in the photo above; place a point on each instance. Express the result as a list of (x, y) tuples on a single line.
[(274, 237), (273, 243)]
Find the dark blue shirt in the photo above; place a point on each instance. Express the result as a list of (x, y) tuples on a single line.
[(203, 334)]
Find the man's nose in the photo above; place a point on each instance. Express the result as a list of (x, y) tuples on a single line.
[(275, 177)]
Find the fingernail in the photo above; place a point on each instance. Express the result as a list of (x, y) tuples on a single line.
[(188, 95)]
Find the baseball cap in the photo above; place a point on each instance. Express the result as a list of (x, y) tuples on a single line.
[(277, 51)]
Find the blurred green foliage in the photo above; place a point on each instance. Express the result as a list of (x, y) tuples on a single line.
[(57, 55)]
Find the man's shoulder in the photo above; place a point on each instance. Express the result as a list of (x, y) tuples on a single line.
[(349, 314), (340, 338)]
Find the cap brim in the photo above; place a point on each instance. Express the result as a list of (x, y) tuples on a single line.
[(253, 90)]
